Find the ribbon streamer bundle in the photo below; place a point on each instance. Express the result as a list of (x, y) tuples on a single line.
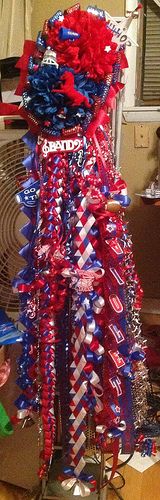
[(79, 292)]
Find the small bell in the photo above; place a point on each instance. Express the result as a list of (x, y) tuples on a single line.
[(50, 58)]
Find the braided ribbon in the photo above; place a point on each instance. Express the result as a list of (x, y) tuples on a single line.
[(83, 279), (82, 239)]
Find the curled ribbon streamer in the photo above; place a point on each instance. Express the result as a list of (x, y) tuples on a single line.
[(94, 379)]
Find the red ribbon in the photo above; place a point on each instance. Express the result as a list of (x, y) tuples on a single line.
[(115, 458), (35, 285), (8, 109), (28, 50), (13, 109), (101, 119), (124, 62)]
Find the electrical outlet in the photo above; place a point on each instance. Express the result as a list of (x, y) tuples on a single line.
[(141, 136)]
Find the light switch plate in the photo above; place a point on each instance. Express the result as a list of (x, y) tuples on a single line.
[(141, 136)]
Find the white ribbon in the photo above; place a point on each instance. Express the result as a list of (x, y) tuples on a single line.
[(122, 426), (98, 305), (97, 391), (100, 429), (23, 414), (80, 489)]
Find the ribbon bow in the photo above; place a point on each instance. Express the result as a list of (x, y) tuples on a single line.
[(83, 280)]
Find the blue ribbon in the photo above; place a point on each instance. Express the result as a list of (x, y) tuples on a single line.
[(28, 161), (69, 471), (28, 230), (67, 34), (22, 402), (40, 42), (137, 356), (123, 199), (30, 140), (24, 382), (55, 17)]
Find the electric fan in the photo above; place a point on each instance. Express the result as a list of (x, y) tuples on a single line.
[(12, 173)]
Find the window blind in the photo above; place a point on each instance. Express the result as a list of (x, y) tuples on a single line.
[(151, 76)]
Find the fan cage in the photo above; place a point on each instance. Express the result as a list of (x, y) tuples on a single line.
[(12, 173)]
